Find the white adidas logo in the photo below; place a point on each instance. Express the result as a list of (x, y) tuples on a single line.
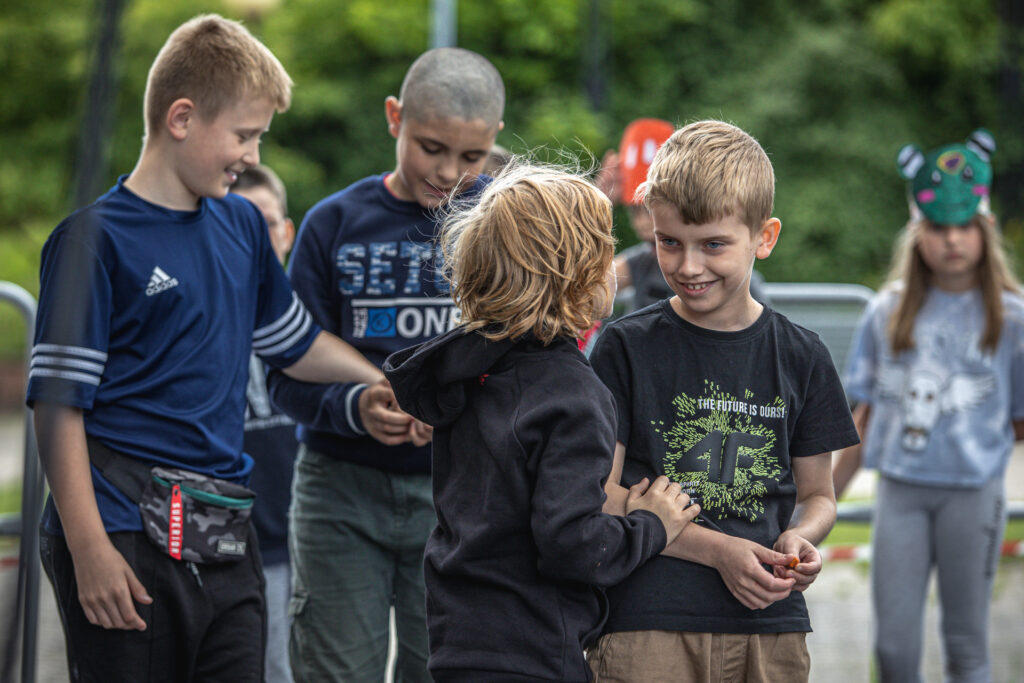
[(159, 281)]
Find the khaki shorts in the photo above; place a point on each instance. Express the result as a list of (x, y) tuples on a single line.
[(679, 657)]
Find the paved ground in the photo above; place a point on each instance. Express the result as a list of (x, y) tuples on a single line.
[(839, 601)]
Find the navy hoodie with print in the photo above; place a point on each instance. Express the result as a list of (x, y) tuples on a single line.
[(523, 440)]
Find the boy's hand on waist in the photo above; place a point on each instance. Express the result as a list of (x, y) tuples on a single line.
[(107, 586), (807, 565), (741, 565), (381, 416), (666, 500)]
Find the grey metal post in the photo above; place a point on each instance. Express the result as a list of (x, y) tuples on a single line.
[(31, 508), (443, 23)]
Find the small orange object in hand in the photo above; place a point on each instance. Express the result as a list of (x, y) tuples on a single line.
[(793, 563)]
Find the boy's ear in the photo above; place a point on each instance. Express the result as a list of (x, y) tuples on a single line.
[(179, 116), (767, 237), (393, 113)]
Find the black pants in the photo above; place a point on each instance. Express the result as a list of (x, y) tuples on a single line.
[(206, 628)]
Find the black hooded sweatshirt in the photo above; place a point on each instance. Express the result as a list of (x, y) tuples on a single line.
[(523, 440)]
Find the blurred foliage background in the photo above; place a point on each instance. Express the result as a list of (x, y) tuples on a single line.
[(831, 89)]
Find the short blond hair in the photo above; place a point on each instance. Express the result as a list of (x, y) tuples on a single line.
[(531, 255), (709, 170), (215, 62)]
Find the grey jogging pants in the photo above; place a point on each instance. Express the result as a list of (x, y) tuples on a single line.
[(958, 532)]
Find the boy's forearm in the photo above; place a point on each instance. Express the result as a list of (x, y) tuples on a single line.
[(60, 434), (695, 543), (815, 510), (615, 502), (698, 544), (330, 359), (814, 518), (323, 407)]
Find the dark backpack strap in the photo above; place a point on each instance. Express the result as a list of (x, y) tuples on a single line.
[(129, 475)]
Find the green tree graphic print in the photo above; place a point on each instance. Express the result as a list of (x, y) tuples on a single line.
[(721, 451)]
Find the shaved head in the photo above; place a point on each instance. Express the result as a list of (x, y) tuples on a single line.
[(449, 82)]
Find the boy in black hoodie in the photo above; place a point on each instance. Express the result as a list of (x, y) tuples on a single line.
[(523, 432)]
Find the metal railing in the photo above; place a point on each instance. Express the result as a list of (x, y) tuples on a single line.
[(25, 620), (830, 309)]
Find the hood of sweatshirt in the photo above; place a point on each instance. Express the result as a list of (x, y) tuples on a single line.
[(430, 379)]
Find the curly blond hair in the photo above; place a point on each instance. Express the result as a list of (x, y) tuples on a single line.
[(531, 255)]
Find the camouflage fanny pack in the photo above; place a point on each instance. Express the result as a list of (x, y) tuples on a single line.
[(196, 518), (190, 516)]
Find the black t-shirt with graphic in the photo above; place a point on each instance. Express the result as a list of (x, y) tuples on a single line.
[(722, 413)]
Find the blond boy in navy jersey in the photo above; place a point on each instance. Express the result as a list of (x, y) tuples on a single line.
[(150, 302)]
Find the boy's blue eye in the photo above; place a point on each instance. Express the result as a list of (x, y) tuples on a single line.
[(668, 242), (715, 245)]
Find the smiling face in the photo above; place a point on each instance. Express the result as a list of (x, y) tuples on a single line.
[(708, 266), (952, 253), (213, 153), (437, 157)]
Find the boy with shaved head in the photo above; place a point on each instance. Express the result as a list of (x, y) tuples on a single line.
[(365, 266)]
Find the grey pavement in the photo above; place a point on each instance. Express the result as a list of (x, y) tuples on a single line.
[(839, 601)]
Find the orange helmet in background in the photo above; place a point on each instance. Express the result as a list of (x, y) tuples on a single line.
[(640, 141)]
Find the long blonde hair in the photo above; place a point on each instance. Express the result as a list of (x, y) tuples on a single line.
[(531, 255), (910, 274)]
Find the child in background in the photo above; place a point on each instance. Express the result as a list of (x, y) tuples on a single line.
[(742, 408), (937, 370), (151, 300), (523, 432), (620, 175), (364, 264), (270, 440)]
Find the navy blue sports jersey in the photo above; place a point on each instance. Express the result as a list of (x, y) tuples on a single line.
[(147, 317), (366, 265)]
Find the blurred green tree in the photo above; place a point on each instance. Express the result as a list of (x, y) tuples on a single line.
[(831, 89)]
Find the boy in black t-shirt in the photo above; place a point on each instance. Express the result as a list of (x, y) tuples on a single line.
[(738, 405)]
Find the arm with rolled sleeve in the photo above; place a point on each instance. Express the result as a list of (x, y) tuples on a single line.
[(319, 390)]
